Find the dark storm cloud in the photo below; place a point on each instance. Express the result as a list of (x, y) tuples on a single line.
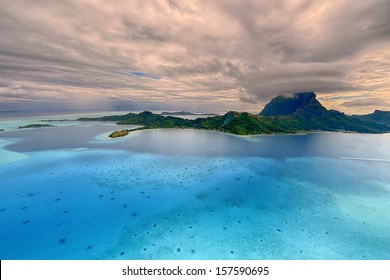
[(309, 45), (312, 31), (223, 54)]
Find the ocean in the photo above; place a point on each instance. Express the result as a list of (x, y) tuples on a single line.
[(69, 192)]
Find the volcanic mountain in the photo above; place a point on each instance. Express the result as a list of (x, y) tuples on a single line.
[(301, 112)]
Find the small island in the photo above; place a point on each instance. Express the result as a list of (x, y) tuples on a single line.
[(61, 120), (35, 125), (185, 113), (123, 132), (283, 115), (119, 133)]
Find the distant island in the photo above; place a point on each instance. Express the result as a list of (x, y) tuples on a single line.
[(35, 125), (184, 113), (61, 120), (282, 115)]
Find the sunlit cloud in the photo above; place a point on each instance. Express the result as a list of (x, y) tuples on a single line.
[(193, 55)]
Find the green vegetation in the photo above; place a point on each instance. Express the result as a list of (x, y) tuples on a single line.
[(311, 115), (181, 113), (123, 132), (302, 112), (184, 113), (119, 133), (381, 117), (35, 125)]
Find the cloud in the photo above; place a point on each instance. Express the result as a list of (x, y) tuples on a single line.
[(366, 102), (195, 53), (145, 75)]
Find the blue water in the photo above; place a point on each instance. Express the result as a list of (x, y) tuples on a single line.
[(185, 194)]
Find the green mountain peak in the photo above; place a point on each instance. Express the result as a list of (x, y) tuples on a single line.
[(300, 112)]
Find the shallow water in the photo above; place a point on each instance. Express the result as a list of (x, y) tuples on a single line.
[(188, 194)]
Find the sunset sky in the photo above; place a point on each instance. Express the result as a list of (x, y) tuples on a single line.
[(202, 56)]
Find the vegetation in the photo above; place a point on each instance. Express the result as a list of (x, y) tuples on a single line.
[(311, 115), (381, 117), (123, 132), (184, 113), (119, 133), (302, 112), (35, 125)]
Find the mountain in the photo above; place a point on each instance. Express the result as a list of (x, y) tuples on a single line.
[(184, 113), (145, 118), (231, 122), (381, 117), (181, 113), (289, 106), (311, 115), (301, 112)]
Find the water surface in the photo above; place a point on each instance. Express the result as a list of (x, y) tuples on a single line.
[(70, 193)]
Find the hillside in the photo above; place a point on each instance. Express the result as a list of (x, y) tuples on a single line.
[(381, 117), (290, 106), (301, 112), (311, 115)]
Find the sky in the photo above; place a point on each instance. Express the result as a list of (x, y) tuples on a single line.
[(201, 56)]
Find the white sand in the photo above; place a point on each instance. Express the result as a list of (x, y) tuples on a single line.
[(8, 156)]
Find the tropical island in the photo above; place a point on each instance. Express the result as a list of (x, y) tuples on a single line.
[(282, 115), (35, 125), (184, 113)]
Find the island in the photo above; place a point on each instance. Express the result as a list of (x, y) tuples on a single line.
[(301, 112), (124, 132), (35, 125), (61, 120), (184, 113), (378, 116)]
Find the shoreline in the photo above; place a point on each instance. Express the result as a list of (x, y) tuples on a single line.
[(8, 124), (7, 156), (300, 133), (248, 137)]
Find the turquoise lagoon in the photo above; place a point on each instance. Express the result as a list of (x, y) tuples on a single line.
[(68, 192)]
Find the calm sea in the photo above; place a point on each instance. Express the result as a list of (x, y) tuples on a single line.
[(67, 192)]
